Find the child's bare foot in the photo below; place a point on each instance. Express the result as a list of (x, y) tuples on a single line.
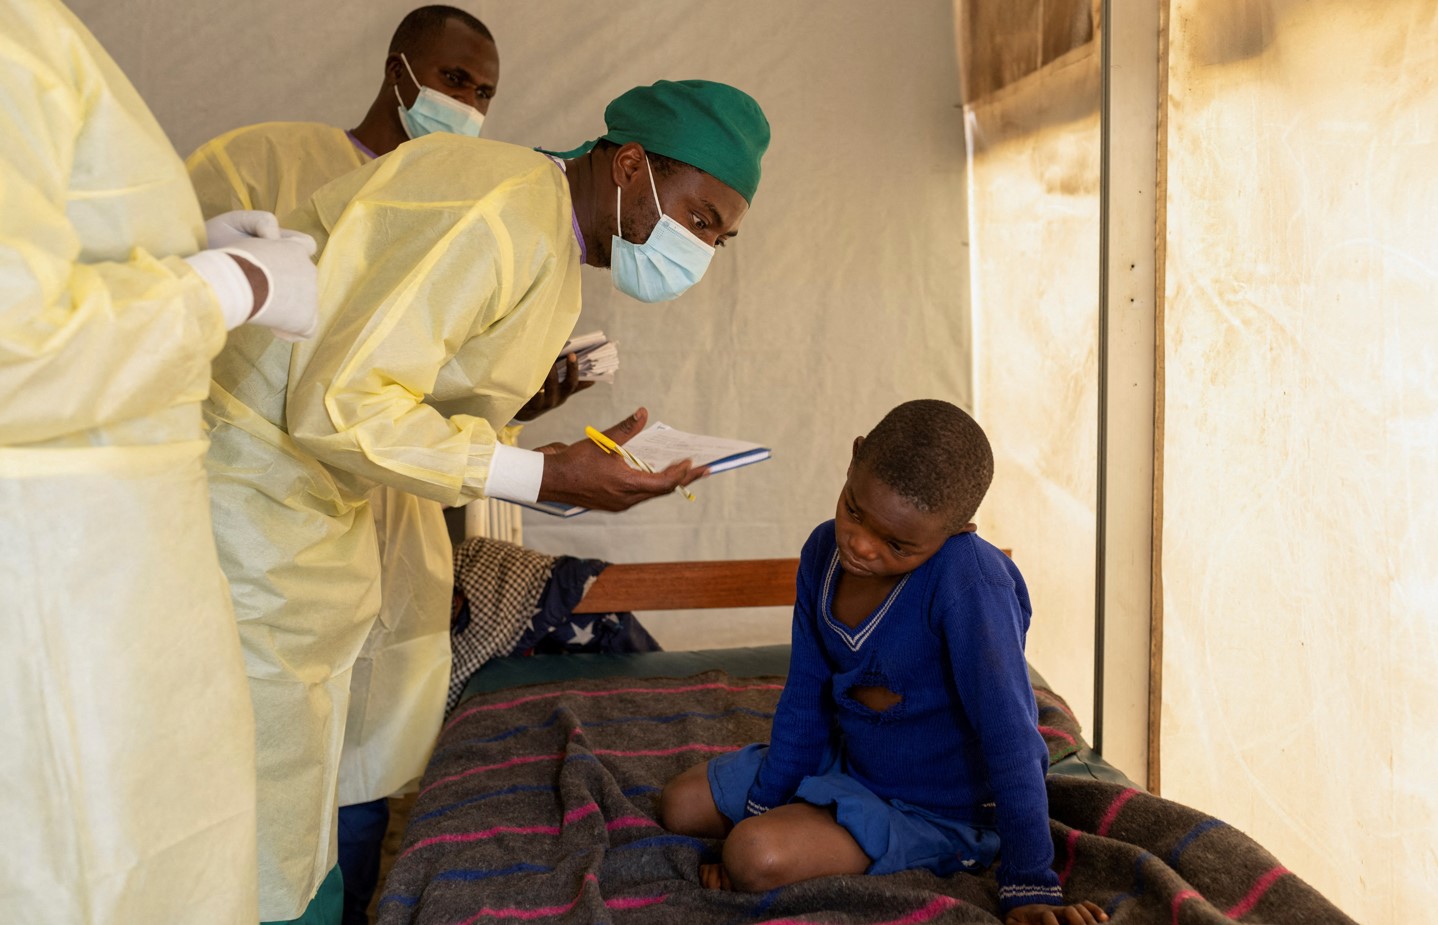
[(714, 877)]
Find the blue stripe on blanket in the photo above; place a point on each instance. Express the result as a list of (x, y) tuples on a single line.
[(484, 874), (469, 875), (663, 841), (1190, 838), (1138, 884), (518, 788)]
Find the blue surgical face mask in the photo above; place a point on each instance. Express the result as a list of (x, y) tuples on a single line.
[(665, 265), (434, 112)]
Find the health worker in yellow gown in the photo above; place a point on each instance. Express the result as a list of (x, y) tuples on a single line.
[(449, 282), (128, 755), (441, 74)]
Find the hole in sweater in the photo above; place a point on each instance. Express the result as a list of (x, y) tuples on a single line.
[(874, 697)]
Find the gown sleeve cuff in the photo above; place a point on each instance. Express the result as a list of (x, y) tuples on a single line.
[(227, 280), (514, 474)]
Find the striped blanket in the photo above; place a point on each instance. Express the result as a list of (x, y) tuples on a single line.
[(539, 806)]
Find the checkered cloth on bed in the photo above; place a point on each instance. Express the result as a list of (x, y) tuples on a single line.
[(513, 601), (501, 584)]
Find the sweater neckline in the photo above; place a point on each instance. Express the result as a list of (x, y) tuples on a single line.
[(854, 637)]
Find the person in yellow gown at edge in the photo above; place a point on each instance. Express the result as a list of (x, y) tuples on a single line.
[(449, 282), (440, 74), (129, 750)]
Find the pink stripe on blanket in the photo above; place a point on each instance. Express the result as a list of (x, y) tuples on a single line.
[(933, 909), (544, 912), (1071, 844), (574, 815), (1181, 897), (1111, 813), (522, 759), (635, 902), (1246, 904), (620, 822), (630, 822), (1051, 731), (935, 906), (460, 837), (627, 690)]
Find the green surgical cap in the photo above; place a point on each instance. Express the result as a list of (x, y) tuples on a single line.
[(712, 126)]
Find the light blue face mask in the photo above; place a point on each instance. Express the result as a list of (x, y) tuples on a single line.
[(434, 112), (665, 265)]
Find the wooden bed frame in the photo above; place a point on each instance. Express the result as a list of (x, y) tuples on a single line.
[(692, 585)]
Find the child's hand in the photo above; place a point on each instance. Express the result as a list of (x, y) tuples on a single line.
[(1080, 913), (714, 877)]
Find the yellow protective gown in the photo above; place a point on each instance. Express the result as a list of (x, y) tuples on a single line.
[(448, 281), (397, 690), (128, 741), (273, 166)]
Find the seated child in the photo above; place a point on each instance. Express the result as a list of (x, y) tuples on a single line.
[(907, 734)]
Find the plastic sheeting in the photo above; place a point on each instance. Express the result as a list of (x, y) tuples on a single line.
[(844, 294), (1033, 239), (1300, 528)]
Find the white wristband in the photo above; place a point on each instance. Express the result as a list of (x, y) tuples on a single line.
[(231, 287), (514, 474)]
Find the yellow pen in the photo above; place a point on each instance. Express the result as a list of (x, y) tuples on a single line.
[(602, 440)]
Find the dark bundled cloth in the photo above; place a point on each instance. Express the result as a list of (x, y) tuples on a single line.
[(509, 600), (539, 805)]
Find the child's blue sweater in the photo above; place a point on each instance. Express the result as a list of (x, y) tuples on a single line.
[(949, 640)]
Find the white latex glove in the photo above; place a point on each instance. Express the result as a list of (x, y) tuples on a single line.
[(290, 309), (283, 256), (233, 227)]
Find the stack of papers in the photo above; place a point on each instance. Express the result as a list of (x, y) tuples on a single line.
[(660, 446), (598, 357)]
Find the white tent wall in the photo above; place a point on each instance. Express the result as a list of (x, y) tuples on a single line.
[(1298, 346), (1034, 236), (1035, 267), (845, 293), (1300, 537)]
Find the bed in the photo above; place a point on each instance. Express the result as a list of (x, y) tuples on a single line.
[(539, 801)]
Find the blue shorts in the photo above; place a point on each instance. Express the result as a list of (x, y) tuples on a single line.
[(895, 835)]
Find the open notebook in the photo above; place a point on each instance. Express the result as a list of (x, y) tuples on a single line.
[(660, 446)]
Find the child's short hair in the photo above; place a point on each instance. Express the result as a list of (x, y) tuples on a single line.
[(933, 455)]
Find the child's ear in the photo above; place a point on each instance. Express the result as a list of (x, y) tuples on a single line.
[(858, 442)]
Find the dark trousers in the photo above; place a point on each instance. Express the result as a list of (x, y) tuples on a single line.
[(361, 836)]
